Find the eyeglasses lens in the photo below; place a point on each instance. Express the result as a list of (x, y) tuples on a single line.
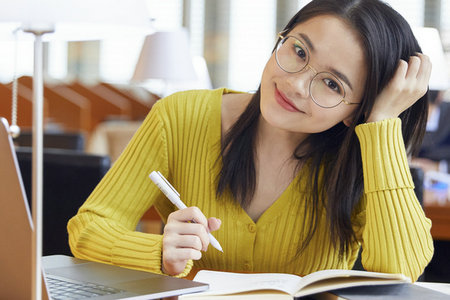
[(325, 89)]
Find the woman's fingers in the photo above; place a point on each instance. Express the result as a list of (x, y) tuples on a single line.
[(189, 221), (214, 224), (424, 73), (181, 242), (184, 241), (177, 230), (414, 64), (179, 257), (418, 75), (190, 214), (409, 84), (185, 236)]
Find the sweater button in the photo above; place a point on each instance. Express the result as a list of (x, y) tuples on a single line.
[(252, 228), (246, 267)]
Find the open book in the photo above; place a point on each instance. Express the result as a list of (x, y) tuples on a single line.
[(278, 285)]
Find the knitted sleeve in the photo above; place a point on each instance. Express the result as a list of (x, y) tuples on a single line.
[(396, 237), (104, 228)]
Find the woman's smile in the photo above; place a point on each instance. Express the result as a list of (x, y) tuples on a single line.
[(284, 102)]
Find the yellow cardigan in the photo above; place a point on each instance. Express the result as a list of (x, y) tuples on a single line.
[(181, 138)]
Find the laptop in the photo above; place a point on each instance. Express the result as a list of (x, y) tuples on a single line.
[(65, 277)]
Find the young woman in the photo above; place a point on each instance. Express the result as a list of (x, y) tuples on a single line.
[(296, 177)]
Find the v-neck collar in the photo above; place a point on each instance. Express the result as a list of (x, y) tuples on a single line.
[(278, 207)]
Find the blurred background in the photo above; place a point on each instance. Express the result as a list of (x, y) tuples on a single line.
[(97, 92)]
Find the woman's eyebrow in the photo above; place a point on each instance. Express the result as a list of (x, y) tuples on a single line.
[(307, 41), (341, 75)]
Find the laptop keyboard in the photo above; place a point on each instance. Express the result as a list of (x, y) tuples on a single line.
[(64, 289)]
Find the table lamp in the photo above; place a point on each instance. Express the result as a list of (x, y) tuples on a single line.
[(165, 55), (63, 20)]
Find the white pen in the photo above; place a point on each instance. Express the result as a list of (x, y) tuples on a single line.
[(174, 197)]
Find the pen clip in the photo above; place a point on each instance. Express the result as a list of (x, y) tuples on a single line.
[(168, 183)]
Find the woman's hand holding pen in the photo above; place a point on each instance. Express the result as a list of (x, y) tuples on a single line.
[(409, 84), (185, 236)]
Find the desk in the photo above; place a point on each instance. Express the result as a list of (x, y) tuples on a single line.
[(439, 215), (440, 287)]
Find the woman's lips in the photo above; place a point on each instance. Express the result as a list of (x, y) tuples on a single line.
[(285, 102)]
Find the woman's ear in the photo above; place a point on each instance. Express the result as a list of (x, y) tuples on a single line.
[(348, 121), (350, 118)]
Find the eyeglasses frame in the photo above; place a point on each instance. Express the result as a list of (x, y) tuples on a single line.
[(308, 65)]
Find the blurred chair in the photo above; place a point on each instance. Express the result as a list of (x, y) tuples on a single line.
[(24, 114), (66, 109), (69, 178), (139, 109), (103, 107), (418, 177), (59, 140), (111, 138)]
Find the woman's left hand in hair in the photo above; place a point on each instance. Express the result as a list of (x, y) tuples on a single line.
[(409, 84)]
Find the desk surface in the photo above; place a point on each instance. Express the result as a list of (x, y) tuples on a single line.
[(440, 287)]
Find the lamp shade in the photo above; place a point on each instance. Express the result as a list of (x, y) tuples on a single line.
[(165, 55), (430, 42)]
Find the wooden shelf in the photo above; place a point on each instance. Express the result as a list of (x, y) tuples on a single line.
[(439, 213)]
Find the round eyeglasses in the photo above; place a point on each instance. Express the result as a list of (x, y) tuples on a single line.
[(325, 89)]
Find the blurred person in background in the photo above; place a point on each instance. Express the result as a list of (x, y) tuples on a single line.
[(434, 155)]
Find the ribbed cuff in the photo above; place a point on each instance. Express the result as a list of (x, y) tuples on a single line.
[(187, 269), (142, 251), (385, 164), (139, 251)]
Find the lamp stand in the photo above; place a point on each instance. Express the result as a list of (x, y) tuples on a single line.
[(37, 159)]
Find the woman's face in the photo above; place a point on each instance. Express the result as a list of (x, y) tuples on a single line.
[(334, 47)]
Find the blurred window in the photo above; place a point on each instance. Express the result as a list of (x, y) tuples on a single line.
[(252, 38)]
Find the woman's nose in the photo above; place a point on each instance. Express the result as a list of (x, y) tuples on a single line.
[(299, 82)]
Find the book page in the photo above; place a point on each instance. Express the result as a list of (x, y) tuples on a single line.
[(326, 280), (222, 283), (252, 295)]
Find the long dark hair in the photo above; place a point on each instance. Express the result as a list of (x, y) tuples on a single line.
[(386, 38)]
